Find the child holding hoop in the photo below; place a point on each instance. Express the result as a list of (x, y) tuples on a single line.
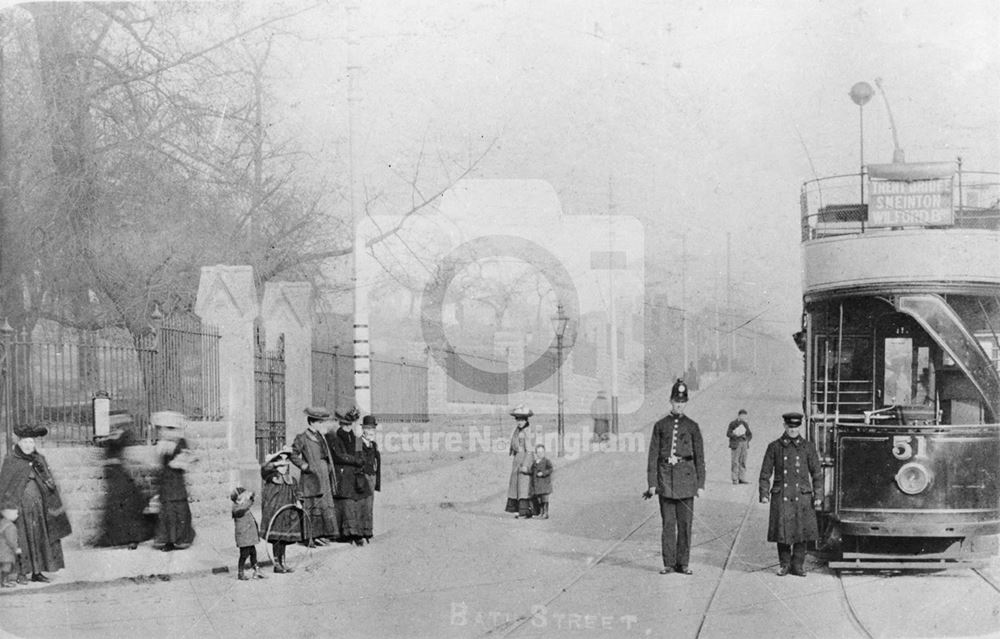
[(280, 507)]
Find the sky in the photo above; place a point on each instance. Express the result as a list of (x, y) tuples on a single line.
[(701, 119)]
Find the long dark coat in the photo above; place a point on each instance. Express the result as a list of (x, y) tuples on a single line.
[(352, 485), (798, 479), (123, 521), (317, 482), (27, 483), (682, 479)]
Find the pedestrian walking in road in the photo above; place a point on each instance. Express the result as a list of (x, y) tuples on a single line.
[(372, 460), (352, 485), (247, 532), (311, 454), (174, 528), (797, 489), (279, 497), (27, 484), (541, 481), (10, 549), (600, 412), (521, 447), (692, 377), (123, 522), (739, 436), (676, 472)]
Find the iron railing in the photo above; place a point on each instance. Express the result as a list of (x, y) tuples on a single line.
[(476, 379), (399, 390), (50, 376), (332, 378)]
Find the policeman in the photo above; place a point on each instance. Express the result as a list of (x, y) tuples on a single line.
[(676, 472), (796, 491)]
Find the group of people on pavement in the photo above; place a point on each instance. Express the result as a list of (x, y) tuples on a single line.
[(790, 481)]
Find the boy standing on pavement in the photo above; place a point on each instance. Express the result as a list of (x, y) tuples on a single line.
[(739, 443), (676, 472)]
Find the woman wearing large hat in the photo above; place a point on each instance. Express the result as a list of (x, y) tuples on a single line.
[(521, 448), (352, 485), (26, 484), (317, 483), (174, 529)]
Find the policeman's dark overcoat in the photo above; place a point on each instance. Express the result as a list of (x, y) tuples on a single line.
[(797, 481), (682, 479)]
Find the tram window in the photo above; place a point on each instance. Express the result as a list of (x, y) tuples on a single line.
[(898, 370), (909, 373)]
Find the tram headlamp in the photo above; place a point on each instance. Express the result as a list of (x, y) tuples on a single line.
[(914, 478)]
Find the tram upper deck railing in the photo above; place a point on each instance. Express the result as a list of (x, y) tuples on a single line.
[(839, 205)]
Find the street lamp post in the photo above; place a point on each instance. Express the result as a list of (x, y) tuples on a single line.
[(861, 93), (559, 322)]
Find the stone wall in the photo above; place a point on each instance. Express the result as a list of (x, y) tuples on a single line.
[(79, 474)]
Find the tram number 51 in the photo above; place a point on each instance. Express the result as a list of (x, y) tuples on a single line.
[(902, 446)]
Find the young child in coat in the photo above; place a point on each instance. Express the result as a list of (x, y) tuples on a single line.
[(247, 531), (10, 551), (541, 481)]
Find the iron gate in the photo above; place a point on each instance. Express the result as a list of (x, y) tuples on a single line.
[(269, 391)]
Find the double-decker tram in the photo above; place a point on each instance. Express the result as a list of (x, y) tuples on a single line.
[(901, 336)]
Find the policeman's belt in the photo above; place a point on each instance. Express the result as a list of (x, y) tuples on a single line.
[(686, 458)]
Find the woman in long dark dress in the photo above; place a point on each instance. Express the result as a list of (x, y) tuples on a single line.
[(279, 490), (123, 522), (352, 485), (26, 483), (174, 529)]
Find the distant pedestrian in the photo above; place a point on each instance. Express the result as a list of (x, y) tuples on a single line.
[(311, 454), (541, 481), (521, 446), (123, 522), (282, 521), (676, 472), (691, 376), (247, 532), (739, 436), (174, 528), (600, 412), (373, 473), (796, 491), (26, 483), (352, 485), (10, 549)]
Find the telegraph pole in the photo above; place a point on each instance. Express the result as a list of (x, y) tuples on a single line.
[(613, 346), (729, 305), (684, 325)]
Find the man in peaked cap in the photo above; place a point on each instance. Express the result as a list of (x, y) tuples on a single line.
[(676, 472), (797, 489)]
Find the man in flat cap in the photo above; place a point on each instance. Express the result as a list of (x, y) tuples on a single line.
[(796, 491), (676, 472), (318, 483)]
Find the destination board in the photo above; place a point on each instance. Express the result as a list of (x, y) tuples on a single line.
[(910, 203)]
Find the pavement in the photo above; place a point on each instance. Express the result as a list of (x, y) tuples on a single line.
[(214, 551)]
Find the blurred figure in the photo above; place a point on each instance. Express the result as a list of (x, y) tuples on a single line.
[(123, 522), (174, 529), (691, 376), (10, 549), (600, 412), (26, 483)]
